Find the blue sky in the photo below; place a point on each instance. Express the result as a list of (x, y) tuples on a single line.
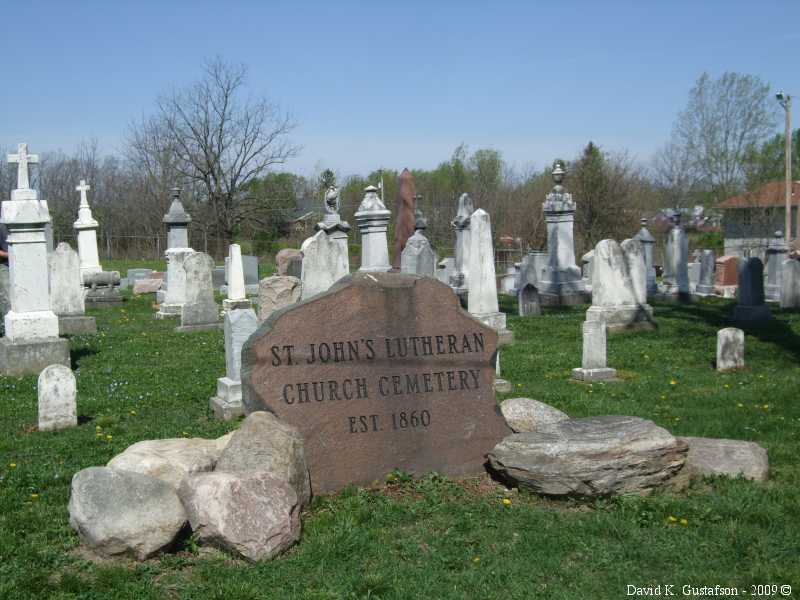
[(389, 84)]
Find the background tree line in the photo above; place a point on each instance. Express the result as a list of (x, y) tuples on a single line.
[(226, 151)]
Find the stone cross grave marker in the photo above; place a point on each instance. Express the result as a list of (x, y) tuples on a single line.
[(384, 371), (22, 160)]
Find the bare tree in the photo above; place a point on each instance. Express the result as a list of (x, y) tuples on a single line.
[(723, 119), (218, 140)]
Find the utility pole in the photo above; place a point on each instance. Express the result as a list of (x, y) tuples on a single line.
[(785, 101)]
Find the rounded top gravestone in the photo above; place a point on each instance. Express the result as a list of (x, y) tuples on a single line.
[(381, 372)]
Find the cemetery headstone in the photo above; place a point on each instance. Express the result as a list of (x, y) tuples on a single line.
[(372, 219), (289, 261), (177, 221), (693, 269), (31, 340), (324, 263), (730, 349), (384, 371), (418, 257), (239, 326), (86, 226), (218, 277), (237, 296), (586, 268), (199, 312), (726, 275), (249, 273), (561, 282), (333, 225), (676, 269), (276, 292), (482, 297), (528, 303), (619, 292), (66, 292), (776, 254), (508, 281), (705, 283), (648, 242), (102, 289), (790, 284), (751, 307), (405, 218), (593, 364), (57, 398), (459, 278)]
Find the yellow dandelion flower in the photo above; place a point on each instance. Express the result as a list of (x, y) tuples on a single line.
[(506, 501), (34, 496), (672, 519), (185, 433), (663, 397), (684, 522), (673, 382), (726, 386), (98, 428), (477, 559), (12, 466), (740, 405), (133, 412), (766, 407), (109, 437)]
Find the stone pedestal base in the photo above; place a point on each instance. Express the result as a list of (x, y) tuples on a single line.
[(623, 318), (76, 325), (251, 289), (168, 311), (497, 321), (103, 298), (751, 314), (227, 404), (566, 299), (502, 386), (704, 290), (199, 327), (30, 358), (236, 304), (590, 375)]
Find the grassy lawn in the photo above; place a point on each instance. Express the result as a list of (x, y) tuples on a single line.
[(434, 537)]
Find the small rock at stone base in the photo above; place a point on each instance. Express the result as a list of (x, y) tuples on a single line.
[(252, 514), (731, 458), (525, 414), (124, 513)]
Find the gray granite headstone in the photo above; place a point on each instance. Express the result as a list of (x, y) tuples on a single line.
[(529, 302), (200, 311), (751, 306), (790, 284), (593, 362), (708, 261), (418, 257)]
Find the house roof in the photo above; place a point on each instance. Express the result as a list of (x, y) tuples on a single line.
[(769, 194)]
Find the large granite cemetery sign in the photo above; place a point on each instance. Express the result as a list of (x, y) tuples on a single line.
[(381, 372)]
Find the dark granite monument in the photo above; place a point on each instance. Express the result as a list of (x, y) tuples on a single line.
[(384, 371)]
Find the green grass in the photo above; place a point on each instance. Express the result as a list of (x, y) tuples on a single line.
[(434, 537)]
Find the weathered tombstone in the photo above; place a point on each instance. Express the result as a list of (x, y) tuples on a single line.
[(385, 371), (676, 269), (528, 302), (31, 339), (218, 277), (418, 257), (86, 226), (730, 349), (445, 269), (508, 281), (66, 292), (751, 307), (372, 219), (239, 326), (705, 284), (619, 292), (586, 268), (289, 261), (531, 268), (561, 279), (200, 312), (776, 254), (324, 263), (237, 295), (177, 221), (134, 275), (648, 242), (790, 284), (459, 278), (482, 297), (405, 219), (57, 392), (726, 276), (277, 292), (693, 270), (102, 289), (593, 363)]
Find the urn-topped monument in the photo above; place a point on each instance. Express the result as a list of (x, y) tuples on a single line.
[(561, 281)]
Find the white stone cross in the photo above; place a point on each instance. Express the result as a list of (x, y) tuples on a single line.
[(83, 188), (23, 158)]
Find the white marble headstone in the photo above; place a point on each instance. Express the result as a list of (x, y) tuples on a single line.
[(57, 398)]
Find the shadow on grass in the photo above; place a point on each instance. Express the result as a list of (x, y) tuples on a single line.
[(75, 356), (776, 331)]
